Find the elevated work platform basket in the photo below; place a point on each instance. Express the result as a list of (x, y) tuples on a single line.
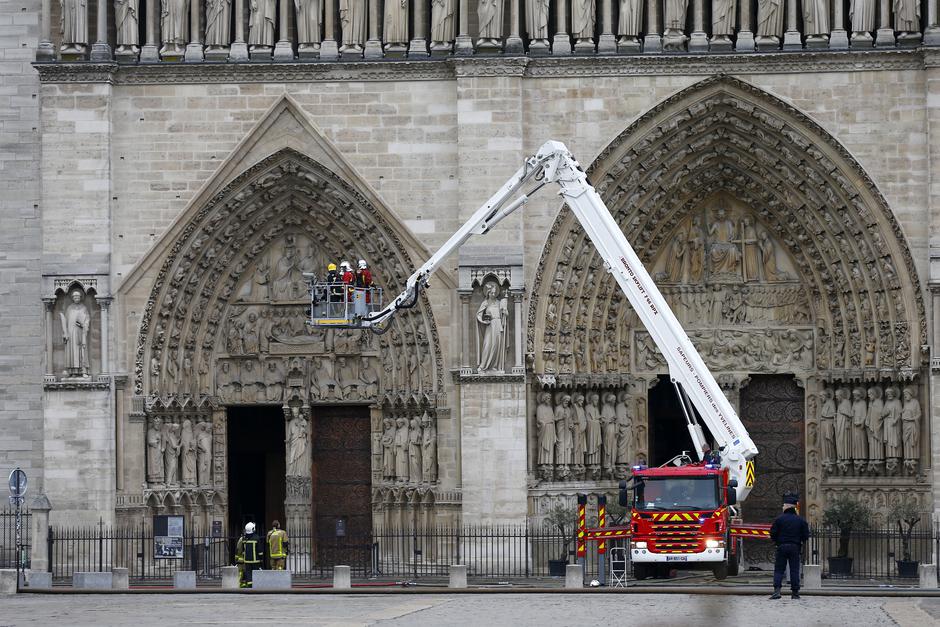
[(343, 306)]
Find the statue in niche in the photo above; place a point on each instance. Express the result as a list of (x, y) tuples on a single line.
[(630, 23), (723, 17), (770, 18), (696, 250), (583, 16), (675, 262), (74, 18), (125, 23), (843, 427), (769, 259), (752, 266), (325, 383), (564, 416), (219, 31), (174, 25), (171, 453), (536, 23), (827, 423), (288, 276), (188, 380), (609, 436), (492, 316), (155, 445), (490, 15), (273, 380), (892, 424), (388, 448), (862, 18), (816, 17), (395, 25), (442, 23), (352, 16), (251, 381), (188, 452), (624, 428), (229, 390), (578, 431), (308, 14), (249, 334), (910, 429), (675, 12), (722, 252), (545, 423), (172, 367), (414, 449), (261, 24), (346, 376), (907, 16), (428, 449), (859, 429), (76, 321), (401, 449), (297, 436), (204, 452), (874, 423), (368, 378)]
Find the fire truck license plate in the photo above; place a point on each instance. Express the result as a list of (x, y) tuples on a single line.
[(677, 558)]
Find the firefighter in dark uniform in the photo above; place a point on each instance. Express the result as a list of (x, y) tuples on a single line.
[(789, 531), (248, 553)]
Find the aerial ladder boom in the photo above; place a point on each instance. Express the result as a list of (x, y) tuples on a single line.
[(696, 385)]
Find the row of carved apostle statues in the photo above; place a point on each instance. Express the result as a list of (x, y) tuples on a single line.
[(179, 451), (398, 27), (409, 448), (584, 435), (873, 430), (338, 378)]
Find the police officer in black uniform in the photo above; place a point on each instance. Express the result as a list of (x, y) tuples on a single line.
[(788, 532)]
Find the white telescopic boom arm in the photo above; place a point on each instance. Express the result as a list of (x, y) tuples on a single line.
[(553, 163)]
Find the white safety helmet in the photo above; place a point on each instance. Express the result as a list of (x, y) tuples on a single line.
[(362, 264), (250, 528), (345, 265)]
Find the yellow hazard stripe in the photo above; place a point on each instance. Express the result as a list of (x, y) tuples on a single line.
[(749, 478)]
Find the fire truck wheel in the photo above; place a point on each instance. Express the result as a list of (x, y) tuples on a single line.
[(734, 564), (720, 571), (641, 571)]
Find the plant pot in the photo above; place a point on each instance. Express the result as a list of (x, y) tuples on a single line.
[(908, 568), (840, 565), (556, 568)]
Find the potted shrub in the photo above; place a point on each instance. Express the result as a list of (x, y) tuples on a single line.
[(565, 521), (907, 517), (846, 515)]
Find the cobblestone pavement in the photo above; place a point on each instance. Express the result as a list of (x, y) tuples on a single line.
[(488, 610)]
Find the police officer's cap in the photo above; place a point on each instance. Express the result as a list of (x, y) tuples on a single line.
[(791, 498)]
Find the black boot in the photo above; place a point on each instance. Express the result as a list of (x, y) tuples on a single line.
[(776, 594), (795, 594)]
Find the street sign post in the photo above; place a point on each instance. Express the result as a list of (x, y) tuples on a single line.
[(18, 485)]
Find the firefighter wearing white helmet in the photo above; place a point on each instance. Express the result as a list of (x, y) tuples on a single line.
[(248, 553)]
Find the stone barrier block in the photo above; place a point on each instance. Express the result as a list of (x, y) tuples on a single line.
[(812, 577), (230, 577), (341, 578), (39, 579), (184, 580), (574, 576), (120, 579), (458, 576), (271, 580), (8, 581), (928, 576), (92, 581)]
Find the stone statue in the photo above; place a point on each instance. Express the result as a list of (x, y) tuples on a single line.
[(874, 423), (907, 16), (492, 316), (250, 381), (675, 13), (827, 426), (352, 16), (583, 16), (564, 445), (843, 426), (414, 449), (326, 383), (859, 429), (261, 35), (490, 15), (288, 277), (204, 452), (174, 25), (229, 390), (862, 17), (816, 17), (892, 423), (624, 429), (368, 378), (609, 423), (594, 433), (171, 453), (188, 451), (401, 449), (675, 262), (545, 423), (536, 19), (125, 23), (249, 334), (297, 436), (630, 23), (395, 26), (910, 427), (770, 18), (308, 14), (346, 376), (219, 35), (752, 267), (723, 253), (442, 22), (696, 250), (388, 448), (768, 257), (155, 451), (723, 20), (74, 17), (76, 320), (428, 449), (274, 380), (578, 431)]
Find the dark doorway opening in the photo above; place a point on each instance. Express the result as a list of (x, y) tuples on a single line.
[(669, 433), (256, 466)]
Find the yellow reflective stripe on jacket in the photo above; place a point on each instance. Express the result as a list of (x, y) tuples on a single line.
[(276, 539), (251, 552)]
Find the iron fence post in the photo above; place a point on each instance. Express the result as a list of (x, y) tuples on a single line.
[(50, 541), (100, 545)]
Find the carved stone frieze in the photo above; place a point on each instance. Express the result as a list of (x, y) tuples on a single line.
[(769, 350)]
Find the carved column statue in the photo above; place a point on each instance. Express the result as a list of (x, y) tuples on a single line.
[(594, 435), (352, 16), (395, 27), (414, 449), (188, 453), (171, 453), (910, 429), (174, 26), (261, 28), (75, 319), (490, 16), (583, 19), (625, 445), (816, 23), (674, 36), (442, 26), (843, 428), (893, 411), (769, 24), (629, 25), (907, 21), (74, 18), (862, 18), (401, 449), (204, 452), (218, 29), (827, 429), (859, 430), (564, 416), (545, 426), (126, 27), (155, 448), (307, 14), (388, 448), (578, 435), (609, 435), (536, 26), (723, 21), (492, 319), (874, 422)]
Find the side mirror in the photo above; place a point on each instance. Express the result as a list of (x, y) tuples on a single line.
[(732, 493), (622, 496)]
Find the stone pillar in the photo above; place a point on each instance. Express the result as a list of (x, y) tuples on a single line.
[(329, 49), (653, 40), (932, 32), (39, 510), (45, 51), (518, 367), (838, 37), (464, 43), (514, 42), (119, 438), (150, 52), (418, 47), (239, 49), (341, 578), (105, 304), (698, 42), (373, 49), (283, 51), (561, 44), (194, 52), (100, 50), (792, 40), (607, 43), (812, 577), (458, 576), (50, 331), (745, 39), (465, 326), (884, 38)]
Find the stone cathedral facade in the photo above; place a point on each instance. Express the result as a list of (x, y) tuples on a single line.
[(171, 169)]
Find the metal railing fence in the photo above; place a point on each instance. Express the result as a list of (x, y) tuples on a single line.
[(874, 553), (8, 538)]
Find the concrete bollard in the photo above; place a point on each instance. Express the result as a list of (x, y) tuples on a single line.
[(93, 581), (271, 580), (341, 578), (230, 577), (458, 576), (812, 577), (119, 579), (8, 581), (184, 580), (39, 579), (574, 576), (928, 576)]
